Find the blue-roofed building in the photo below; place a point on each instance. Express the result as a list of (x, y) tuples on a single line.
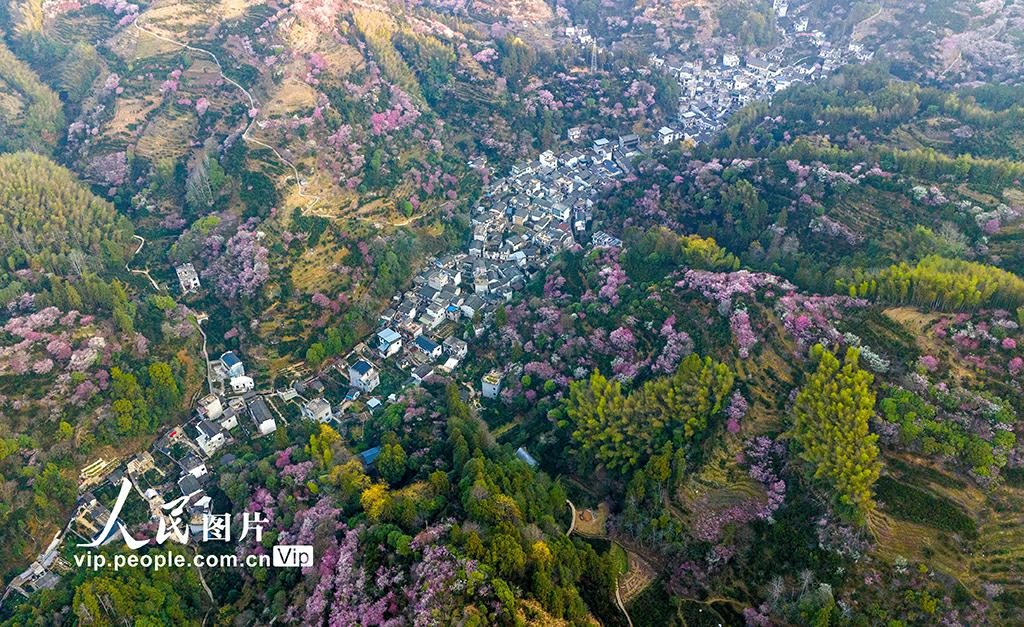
[(232, 364), (389, 342), (428, 347), (526, 457), (363, 376), (369, 456)]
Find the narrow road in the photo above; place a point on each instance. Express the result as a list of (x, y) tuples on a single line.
[(864, 23), (952, 64), (145, 273), (202, 580), (618, 601), (618, 597), (200, 319), (253, 110)]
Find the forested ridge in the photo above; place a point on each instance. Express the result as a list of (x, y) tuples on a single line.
[(36, 121), (945, 284), (51, 221)]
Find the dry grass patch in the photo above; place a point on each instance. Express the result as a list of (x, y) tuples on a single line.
[(202, 75), (314, 271), (916, 542), (11, 105), (235, 9), (129, 115), (167, 136), (918, 324), (291, 95), (1013, 196)]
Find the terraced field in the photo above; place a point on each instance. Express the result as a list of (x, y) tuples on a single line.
[(945, 529), (999, 557)]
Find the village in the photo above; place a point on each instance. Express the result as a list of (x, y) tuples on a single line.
[(719, 80), (541, 208)]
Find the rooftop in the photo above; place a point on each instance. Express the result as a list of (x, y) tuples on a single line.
[(388, 335), (369, 455), (426, 343), (362, 366)]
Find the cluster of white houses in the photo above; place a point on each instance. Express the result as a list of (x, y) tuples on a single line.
[(540, 209), (715, 87), (181, 478)]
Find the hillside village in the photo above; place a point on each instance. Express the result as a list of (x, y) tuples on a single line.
[(539, 209)]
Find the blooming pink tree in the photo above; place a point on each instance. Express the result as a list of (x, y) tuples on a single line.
[(735, 412), (242, 268), (1016, 365), (741, 330)]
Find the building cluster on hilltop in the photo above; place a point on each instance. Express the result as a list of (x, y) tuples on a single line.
[(721, 83)]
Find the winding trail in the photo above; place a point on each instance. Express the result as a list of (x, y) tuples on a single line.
[(618, 601), (202, 580), (618, 596), (145, 273), (312, 200), (953, 63), (864, 23)]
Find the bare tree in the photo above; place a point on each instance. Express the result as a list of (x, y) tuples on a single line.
[(198, 193)]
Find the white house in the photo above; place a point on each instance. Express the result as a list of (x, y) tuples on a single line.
[(455, 347), (232, 364), (730, 59), (229, 419), (261, 416), (210, 407), (491, 384), (189, 486), (428, 347), (241, 385), (209, 437), (389, 342), (603, 149), (194, 466), (422, 372), (629, 143), (548, 159), (363, 376), (438, 279), (188, 279), (317, 409), (667, 136)]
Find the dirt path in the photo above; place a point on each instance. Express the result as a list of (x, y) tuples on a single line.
[(145, 273), (200, 319), (636, 581), (253, 112)]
